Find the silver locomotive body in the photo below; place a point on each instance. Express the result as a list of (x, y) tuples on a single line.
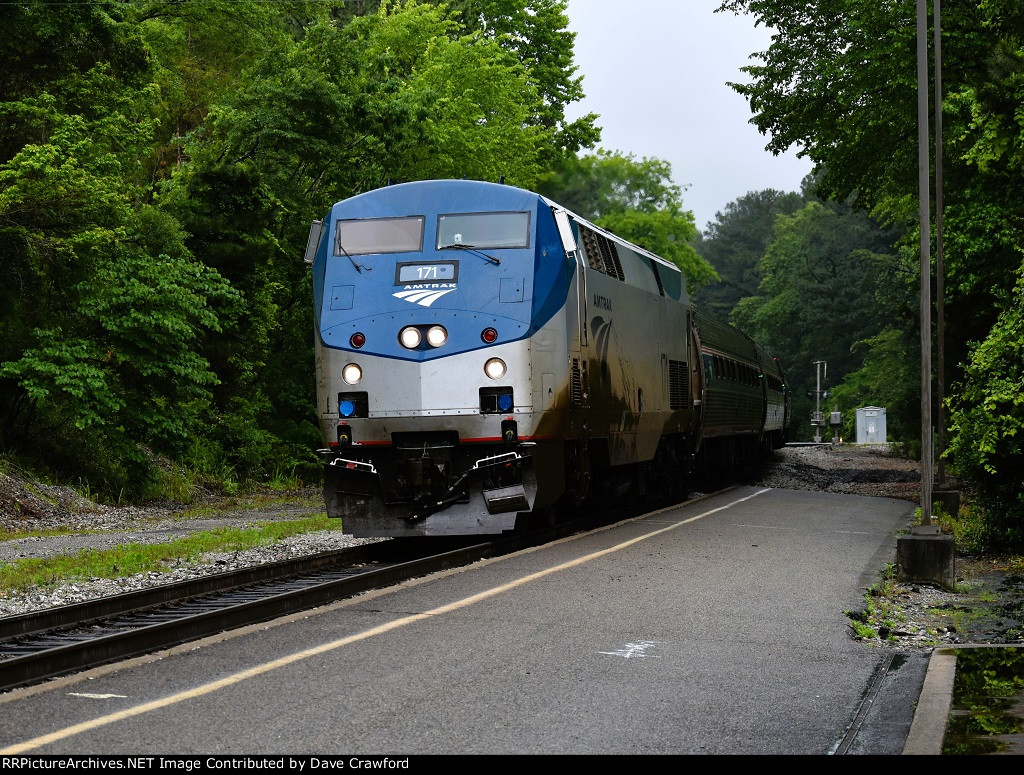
[(485, 358)]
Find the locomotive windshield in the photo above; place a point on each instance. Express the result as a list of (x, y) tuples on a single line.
[(483, 230), (379, 235)]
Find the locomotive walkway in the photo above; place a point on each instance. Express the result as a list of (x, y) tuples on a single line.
[(716, 627)]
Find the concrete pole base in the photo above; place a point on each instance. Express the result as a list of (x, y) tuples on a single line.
[(948, 499), (926, 558)]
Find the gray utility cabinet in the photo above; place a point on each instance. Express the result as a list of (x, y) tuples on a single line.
[(871, 425)]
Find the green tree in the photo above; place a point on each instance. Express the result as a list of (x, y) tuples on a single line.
[(401, 95), (987, 423), (734, 244), (537, 31), (201, 51), (104, 310), (817, 299), (47, 47), (604, 182), (840, 84)]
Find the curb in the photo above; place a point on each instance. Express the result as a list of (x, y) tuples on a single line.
[(928, 729)]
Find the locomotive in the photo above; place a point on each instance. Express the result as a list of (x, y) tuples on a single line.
[(486, 359)]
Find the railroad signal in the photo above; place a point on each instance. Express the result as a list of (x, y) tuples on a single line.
[(817, 416)]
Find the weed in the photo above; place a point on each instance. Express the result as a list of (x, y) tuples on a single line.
[(83, 489), (863, 631), (284, 479), (879, 616), (971, 529)]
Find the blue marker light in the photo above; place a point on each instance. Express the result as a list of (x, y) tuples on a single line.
[(505, 401), (346, 408)]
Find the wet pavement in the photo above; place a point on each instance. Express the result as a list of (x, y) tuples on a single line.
[(986, 714)]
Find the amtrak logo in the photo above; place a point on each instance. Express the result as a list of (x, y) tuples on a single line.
[(424, 295), (600, 330)]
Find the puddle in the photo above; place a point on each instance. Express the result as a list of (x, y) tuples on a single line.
[(987, 710)]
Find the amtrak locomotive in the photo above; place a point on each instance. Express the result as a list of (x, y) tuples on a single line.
[(484, 356)]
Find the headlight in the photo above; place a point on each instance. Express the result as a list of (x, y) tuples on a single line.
[(436, 336), (410, 337), (351, 373), (495, 368)]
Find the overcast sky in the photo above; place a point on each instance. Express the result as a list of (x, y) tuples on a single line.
[(655, 72)]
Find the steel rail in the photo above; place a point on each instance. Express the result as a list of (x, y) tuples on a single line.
[(204, 610), (76, 614), (132, 624)]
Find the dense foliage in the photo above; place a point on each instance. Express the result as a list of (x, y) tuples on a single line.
[(839, 83), (160, 163), (819, 300), (734, 244), (987, 422), (822, 286)]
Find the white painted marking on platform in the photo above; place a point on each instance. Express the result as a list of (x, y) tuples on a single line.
[(631, 650)]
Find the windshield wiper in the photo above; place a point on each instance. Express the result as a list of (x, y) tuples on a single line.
[(359, 267), (471, 249)]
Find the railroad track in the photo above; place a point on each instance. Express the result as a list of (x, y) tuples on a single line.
[(41, 645)]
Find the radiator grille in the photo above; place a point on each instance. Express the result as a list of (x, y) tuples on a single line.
[(678, 385), (610, 251), (576, 384), (602, 254)]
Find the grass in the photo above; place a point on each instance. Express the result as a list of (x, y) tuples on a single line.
[(179, 485), (130, 559), (251, 502)]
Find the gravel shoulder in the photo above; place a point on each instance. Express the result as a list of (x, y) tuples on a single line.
[(54, 521), (986, 607)]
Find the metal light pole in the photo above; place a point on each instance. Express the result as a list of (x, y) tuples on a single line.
[(924, 178), (940, 291)]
